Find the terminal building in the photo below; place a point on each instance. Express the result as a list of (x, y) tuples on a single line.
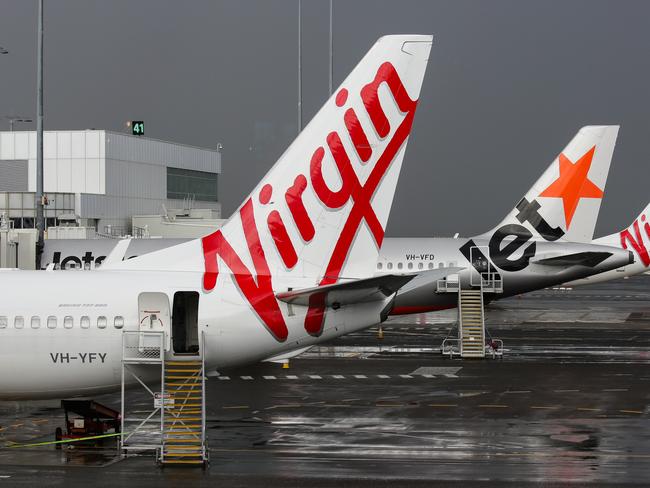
[(99, 179)]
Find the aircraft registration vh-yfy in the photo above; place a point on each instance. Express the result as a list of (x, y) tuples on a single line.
[(309, 233)]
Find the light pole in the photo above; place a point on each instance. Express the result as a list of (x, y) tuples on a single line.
[(299, 66), (40, 197), (331, 47)]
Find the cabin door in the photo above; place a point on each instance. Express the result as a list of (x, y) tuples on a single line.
[(154, 316), (185, 323)]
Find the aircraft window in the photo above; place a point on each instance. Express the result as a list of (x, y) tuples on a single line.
[(420, 265), (68, 322), (430, 265), (36, 322), (118, 322), (400, 265), (441, 264), (389, 266), (51, 322), (3, 322), (85, 322), (101, 322), (19, 322), (379, 265), (410, 265)]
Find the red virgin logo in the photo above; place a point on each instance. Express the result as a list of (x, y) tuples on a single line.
[(636, 240), (258, 290)]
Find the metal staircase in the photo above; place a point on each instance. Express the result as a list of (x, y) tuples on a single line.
[(175, 428), (471, 323), (184, 417), (472, 339)]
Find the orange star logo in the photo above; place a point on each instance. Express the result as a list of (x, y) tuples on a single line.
[(573, 184)]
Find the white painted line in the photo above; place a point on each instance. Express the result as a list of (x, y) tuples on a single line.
[(428, 376), (407, 376), (269, 377), (360, 376), (315, 377), (338, 376), (291, 377), (224, 377), (246, 377), (448, 375), (383, 376)]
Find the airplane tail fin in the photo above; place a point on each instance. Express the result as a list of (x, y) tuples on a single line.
[(636, 237), (322, 209), (565, 201)]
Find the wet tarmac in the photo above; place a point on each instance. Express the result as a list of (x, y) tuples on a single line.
[(568, 403)]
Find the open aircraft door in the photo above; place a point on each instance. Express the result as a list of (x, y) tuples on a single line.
[(154, 316)]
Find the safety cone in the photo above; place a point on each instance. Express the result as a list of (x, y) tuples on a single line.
[(285, 364)]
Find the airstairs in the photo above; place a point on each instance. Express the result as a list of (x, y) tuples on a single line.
[(471, 323), (174, 424), (472, 338)]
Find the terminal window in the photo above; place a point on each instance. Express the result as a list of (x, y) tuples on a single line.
[(184, 183)]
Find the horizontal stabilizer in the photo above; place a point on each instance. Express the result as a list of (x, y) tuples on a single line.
[(285, 356), (590, 259), (365, 290)]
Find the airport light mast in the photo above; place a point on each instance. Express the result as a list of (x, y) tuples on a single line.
[(40, 197)]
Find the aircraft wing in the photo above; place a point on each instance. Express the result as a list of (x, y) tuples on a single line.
[(347, 293), (587, 258)]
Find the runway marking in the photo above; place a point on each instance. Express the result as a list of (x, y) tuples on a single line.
[(351, 400), (442, 405), (291, 377), (639, 412), (565, 391), (338, 376), (40, 421), (232, 407), (616, 389), (517, 391), (387, 404), (587, 409), (315, 377), (285, 405), (540, 407), (269, 377), (406, 376), (222, 378), (383, 376), (360, 376), (246, 378), (493, 405)]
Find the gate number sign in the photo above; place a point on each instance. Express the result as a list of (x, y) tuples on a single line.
[(137, 127)]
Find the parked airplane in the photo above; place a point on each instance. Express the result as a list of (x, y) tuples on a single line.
[(635, 238), (529, 250), (308, 234), (543, 241)]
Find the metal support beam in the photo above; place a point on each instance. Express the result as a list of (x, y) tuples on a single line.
[(40, 197)]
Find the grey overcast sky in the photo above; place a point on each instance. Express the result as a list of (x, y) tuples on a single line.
[(509, 83)]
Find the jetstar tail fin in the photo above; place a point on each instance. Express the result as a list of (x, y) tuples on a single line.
[(564, 203)]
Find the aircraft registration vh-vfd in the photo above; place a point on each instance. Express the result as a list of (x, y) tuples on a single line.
[(309, 233)]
